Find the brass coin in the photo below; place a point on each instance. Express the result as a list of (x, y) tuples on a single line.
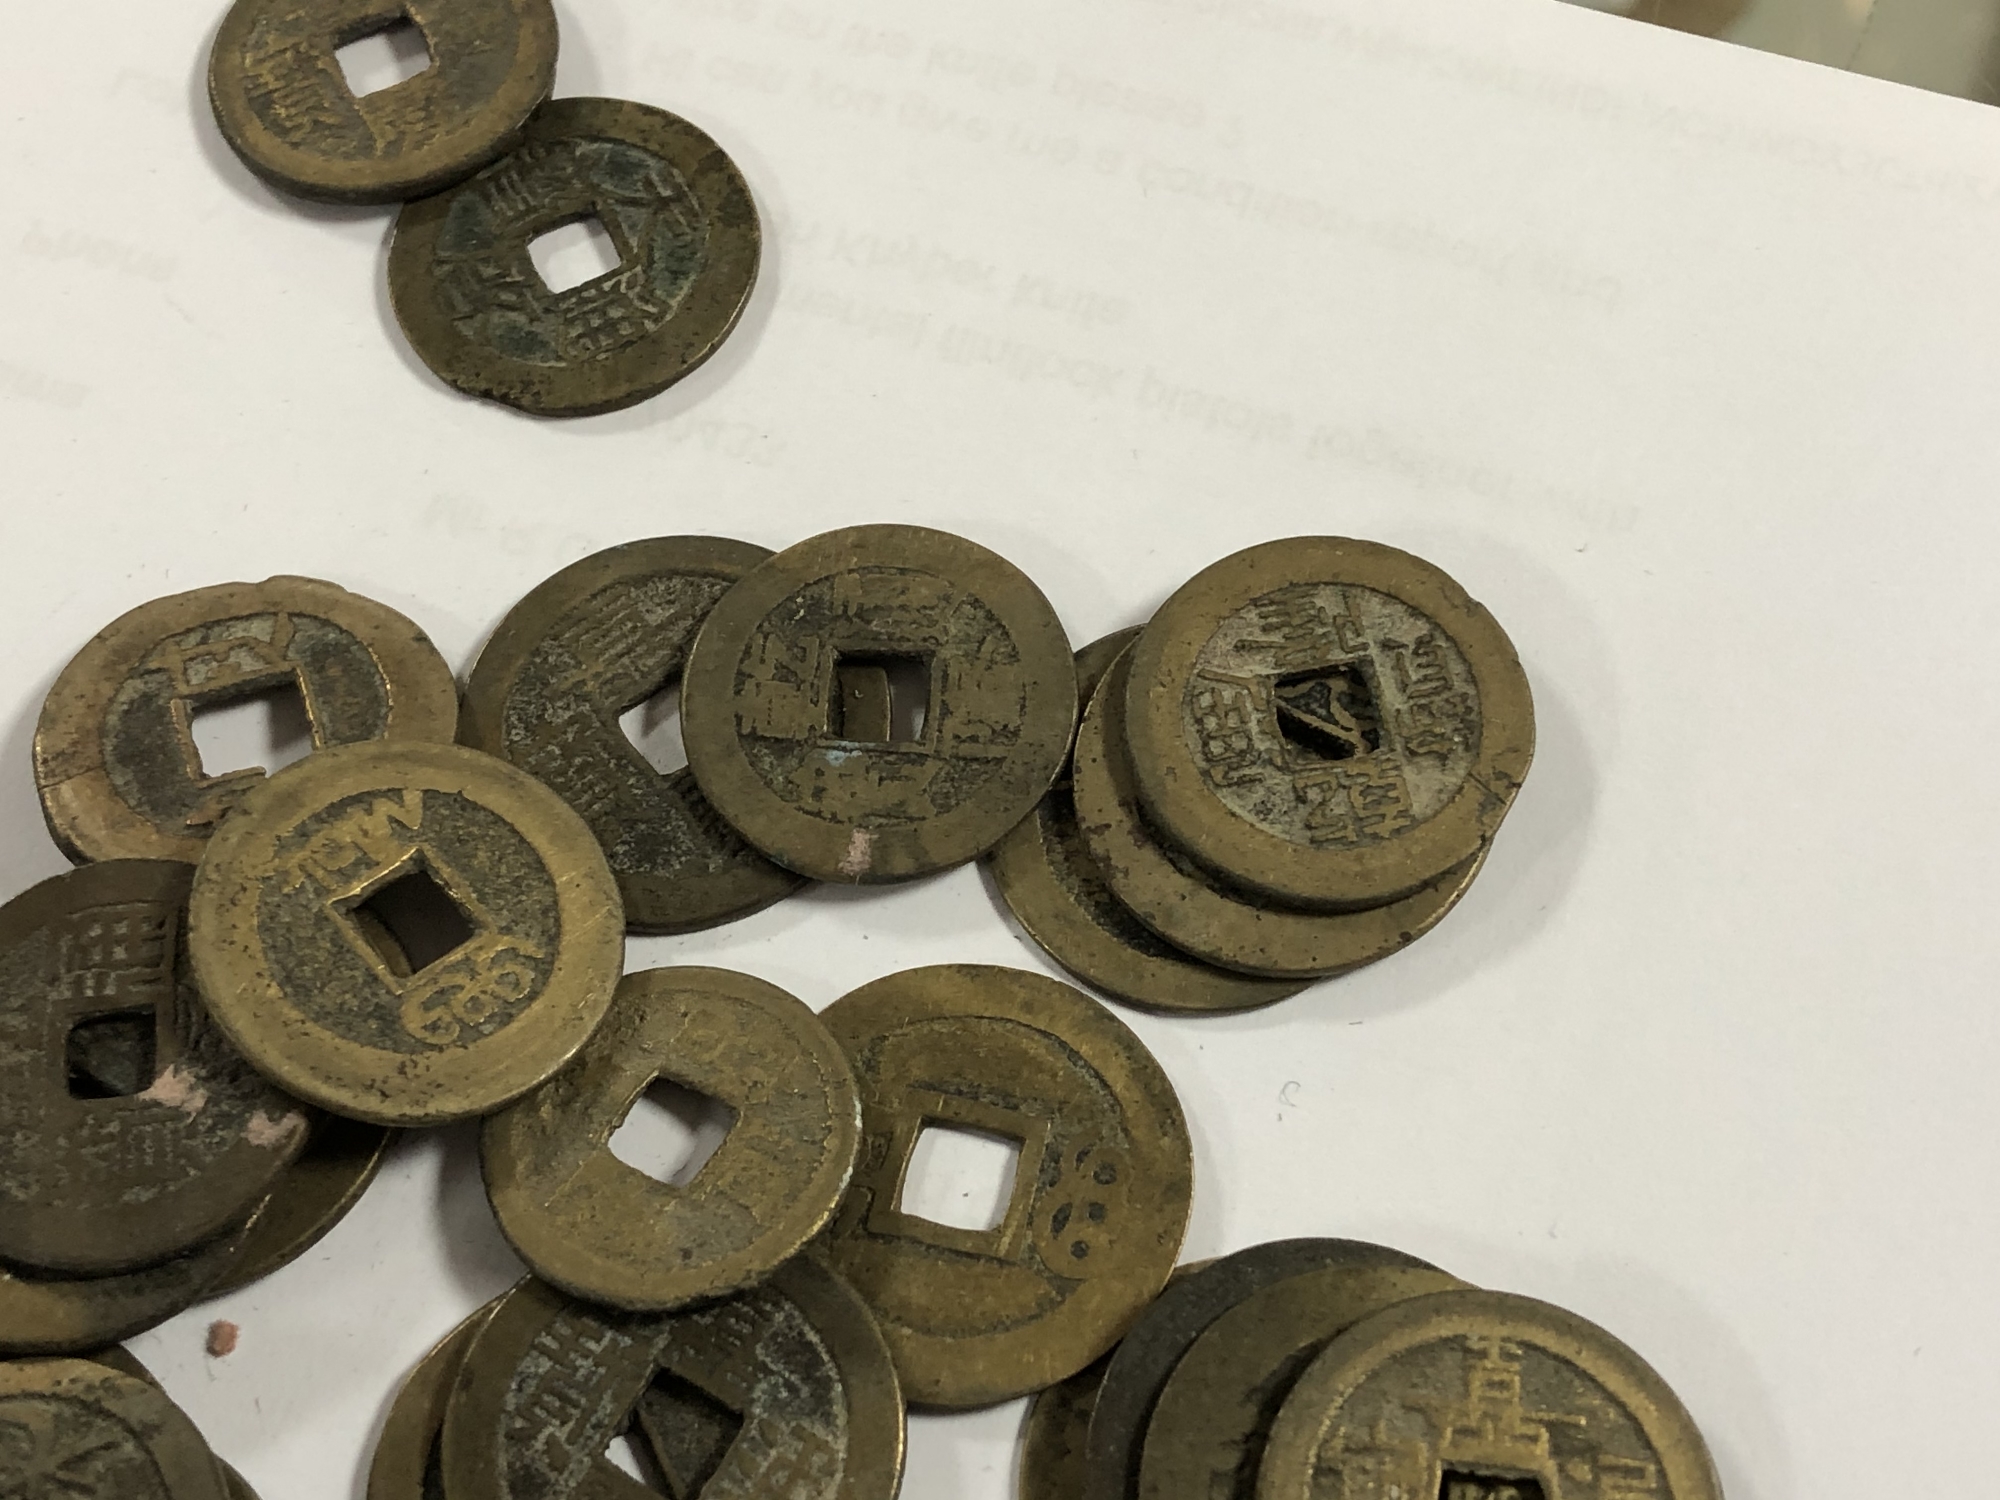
[(341, 1159), (476, 310), (604, 1231), (121, 1359), (130, 1130), (303, 971), (599, 638), (1332, 723), (72, 1427), (42, 1314), (116, 763), (782, 1390), (1198, 914), (989, 701), (1482, 1396), (1208, 1428), (1101, 1190), (286, 109), (409, 1457), (1145, 1358), (1052, 1436), (1056, 891)]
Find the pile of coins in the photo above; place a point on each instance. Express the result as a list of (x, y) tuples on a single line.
[(485, 163), (212, 1028)]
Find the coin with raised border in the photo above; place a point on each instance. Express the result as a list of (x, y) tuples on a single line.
[(72, 1427), (341, 1158), (43, 1314), (1101, 1187), (1052, 1436), (678, 213), (406, 934), (598, 639), (122, 1360), (600, 1229), (117, 766), (130, 1129), (409, 1457), (1333, 724), (878, 703)]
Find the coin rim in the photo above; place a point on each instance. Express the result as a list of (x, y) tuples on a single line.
[(301, 1210), (415, 1423), (180, 1455)]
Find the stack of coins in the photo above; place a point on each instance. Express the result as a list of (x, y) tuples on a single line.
[(486, 163)]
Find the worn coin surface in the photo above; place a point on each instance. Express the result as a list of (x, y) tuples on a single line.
[(1332, 723), (130, 1129), (71, 1427), (286, 108), (341, 1158), (1058, 894), (116, 764), (121, 1359), (409, 1461), (679, 214), (1052, 1436), (956, 643), (1483, 1396), (599, 1229), (1209, 1424), (1101, 1185), (785, 1389), (302, 935), (594, 641), (1145, 1358), (1195, 912), (41, 1314)]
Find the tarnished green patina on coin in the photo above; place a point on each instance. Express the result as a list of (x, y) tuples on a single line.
[(1101, 1190), (1189, 908), (1052, 1436), (286, 108), (1145, 1358), (982, 690), (1054, 888), (678, 212), (594, 641), (782, 1390), (130, 1129), (116, 764), (597, 1228), (341, 1158), (42, 1314), (293, 945), (1476, 1395), (1332, 723), (409, 1456), (73, 1428), (1208, 1427)]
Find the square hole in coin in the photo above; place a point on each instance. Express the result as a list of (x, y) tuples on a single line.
[(389, 53), (1460, 1485), (268, 727), (571, 254), (963, 1179), (1329, 713), (654, 728), (114, 1056), (671, 1131), (879, 698), (676, 1437), (413, 921)]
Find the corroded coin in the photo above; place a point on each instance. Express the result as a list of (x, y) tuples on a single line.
[(121, 1359), (1056, 891), (286, 108), (409, 1458), (341, 1158), (1332, 723), (116, 763), (1208, 1427), (1144, 1359), (1053, 1434), (71, 1427), (1482, 1396), (600, 1229), (785, 1389), (1101, 1186), (960, 686), (1195, 912), (42, 1314), (130, 1129), (305, 934), (678, 212), (596, 640)]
